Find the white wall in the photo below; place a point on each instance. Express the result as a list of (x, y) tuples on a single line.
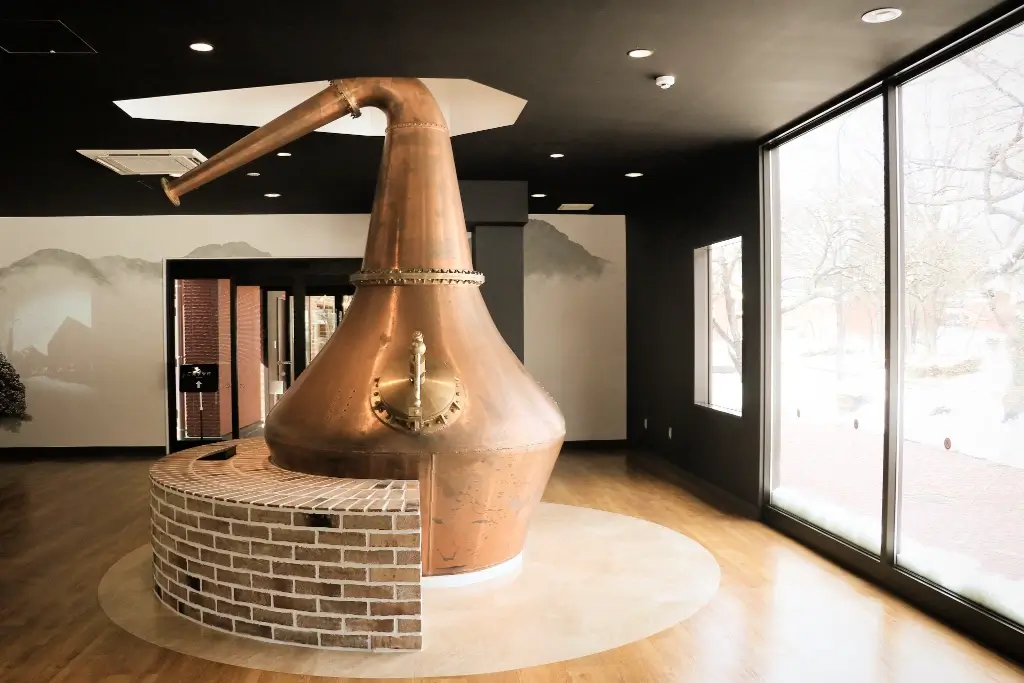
[(159, 237), (575, 318), (81, 311)]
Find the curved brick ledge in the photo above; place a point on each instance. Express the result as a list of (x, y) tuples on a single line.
[(246, 547)]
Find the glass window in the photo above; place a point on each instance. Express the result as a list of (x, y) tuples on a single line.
[(828, 325), (961, 520), (322, 319), (718, 287)]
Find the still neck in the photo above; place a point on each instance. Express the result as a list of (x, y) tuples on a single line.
[(417, 220)]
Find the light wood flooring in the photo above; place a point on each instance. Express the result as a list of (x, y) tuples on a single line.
[(782, 614)]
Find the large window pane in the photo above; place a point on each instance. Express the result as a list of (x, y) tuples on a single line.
[(829, 326), (962, 507)]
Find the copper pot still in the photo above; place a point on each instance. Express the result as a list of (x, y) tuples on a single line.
[(417, 382)]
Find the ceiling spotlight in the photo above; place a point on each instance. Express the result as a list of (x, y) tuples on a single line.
[(640, 53), (284, 154), (881, 15), (634, 174), (252, 174), (201, 47), (539, 195), (272, 195), (557, 155)]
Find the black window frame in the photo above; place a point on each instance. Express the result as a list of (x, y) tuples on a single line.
[(976, 621), (296, 276)]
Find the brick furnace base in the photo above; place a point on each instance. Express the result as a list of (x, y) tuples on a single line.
[(246, 547)]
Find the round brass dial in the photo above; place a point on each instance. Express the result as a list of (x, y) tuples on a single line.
[(441, 398)]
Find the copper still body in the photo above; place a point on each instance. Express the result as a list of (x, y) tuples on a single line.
[(417, 382)]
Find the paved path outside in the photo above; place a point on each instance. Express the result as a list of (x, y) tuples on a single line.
[(951, 502)]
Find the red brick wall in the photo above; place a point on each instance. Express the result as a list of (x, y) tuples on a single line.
[(224, 346), (198, 315), (250, 361), (204, 314)]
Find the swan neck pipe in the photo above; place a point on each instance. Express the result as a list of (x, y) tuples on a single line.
[(319, 110), (417, 224)]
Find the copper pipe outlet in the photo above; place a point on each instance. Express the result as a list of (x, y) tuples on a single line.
[(416, 382)]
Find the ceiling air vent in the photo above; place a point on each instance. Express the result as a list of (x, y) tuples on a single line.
[(575, 207), (146, 161)]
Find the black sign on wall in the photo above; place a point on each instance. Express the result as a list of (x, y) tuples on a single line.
[(198, 378)]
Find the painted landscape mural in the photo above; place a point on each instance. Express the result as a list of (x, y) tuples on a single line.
[(82, 314), (575, 319), (82, 323), (86, 338)]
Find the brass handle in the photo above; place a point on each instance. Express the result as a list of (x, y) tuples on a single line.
[(417, 373)]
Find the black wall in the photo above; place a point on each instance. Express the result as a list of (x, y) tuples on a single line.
[(496, 212), (495, 202), (498, 254), (716, 198)]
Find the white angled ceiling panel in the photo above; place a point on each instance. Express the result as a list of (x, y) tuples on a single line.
[(467, 105)]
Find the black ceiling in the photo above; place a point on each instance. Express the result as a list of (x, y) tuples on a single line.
[(743, 69)]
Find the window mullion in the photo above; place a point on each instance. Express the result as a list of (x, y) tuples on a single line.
[(892, 436)]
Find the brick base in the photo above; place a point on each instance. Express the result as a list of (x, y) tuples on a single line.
[(245, 547)]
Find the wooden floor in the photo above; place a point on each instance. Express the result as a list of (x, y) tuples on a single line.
[(782, 614)]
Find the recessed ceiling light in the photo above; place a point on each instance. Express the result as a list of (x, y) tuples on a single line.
[(201, 47), (272, 195), (634, 174), (557, 155), (539, 195), (881, 15), (640, 53), (284, 154), (252, 174)]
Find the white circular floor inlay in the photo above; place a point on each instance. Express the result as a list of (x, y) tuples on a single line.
[(590, 581), (498, 571)]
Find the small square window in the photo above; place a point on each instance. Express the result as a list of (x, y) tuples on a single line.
[(718, 326)]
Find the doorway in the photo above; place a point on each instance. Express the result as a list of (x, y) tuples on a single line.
[(239, 331), (324, 308)]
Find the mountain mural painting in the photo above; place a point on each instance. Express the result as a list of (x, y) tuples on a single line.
[(82, 341), (575, 318), (549, 252), (56, 258), (228, 250)]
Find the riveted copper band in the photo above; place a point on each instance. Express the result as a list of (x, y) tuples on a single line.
[(417, 276), (339, 85), (435, 126)]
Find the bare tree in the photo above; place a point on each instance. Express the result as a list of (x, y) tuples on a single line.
[(965, 191), (725, 287), (834, 243), (833, 249)]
